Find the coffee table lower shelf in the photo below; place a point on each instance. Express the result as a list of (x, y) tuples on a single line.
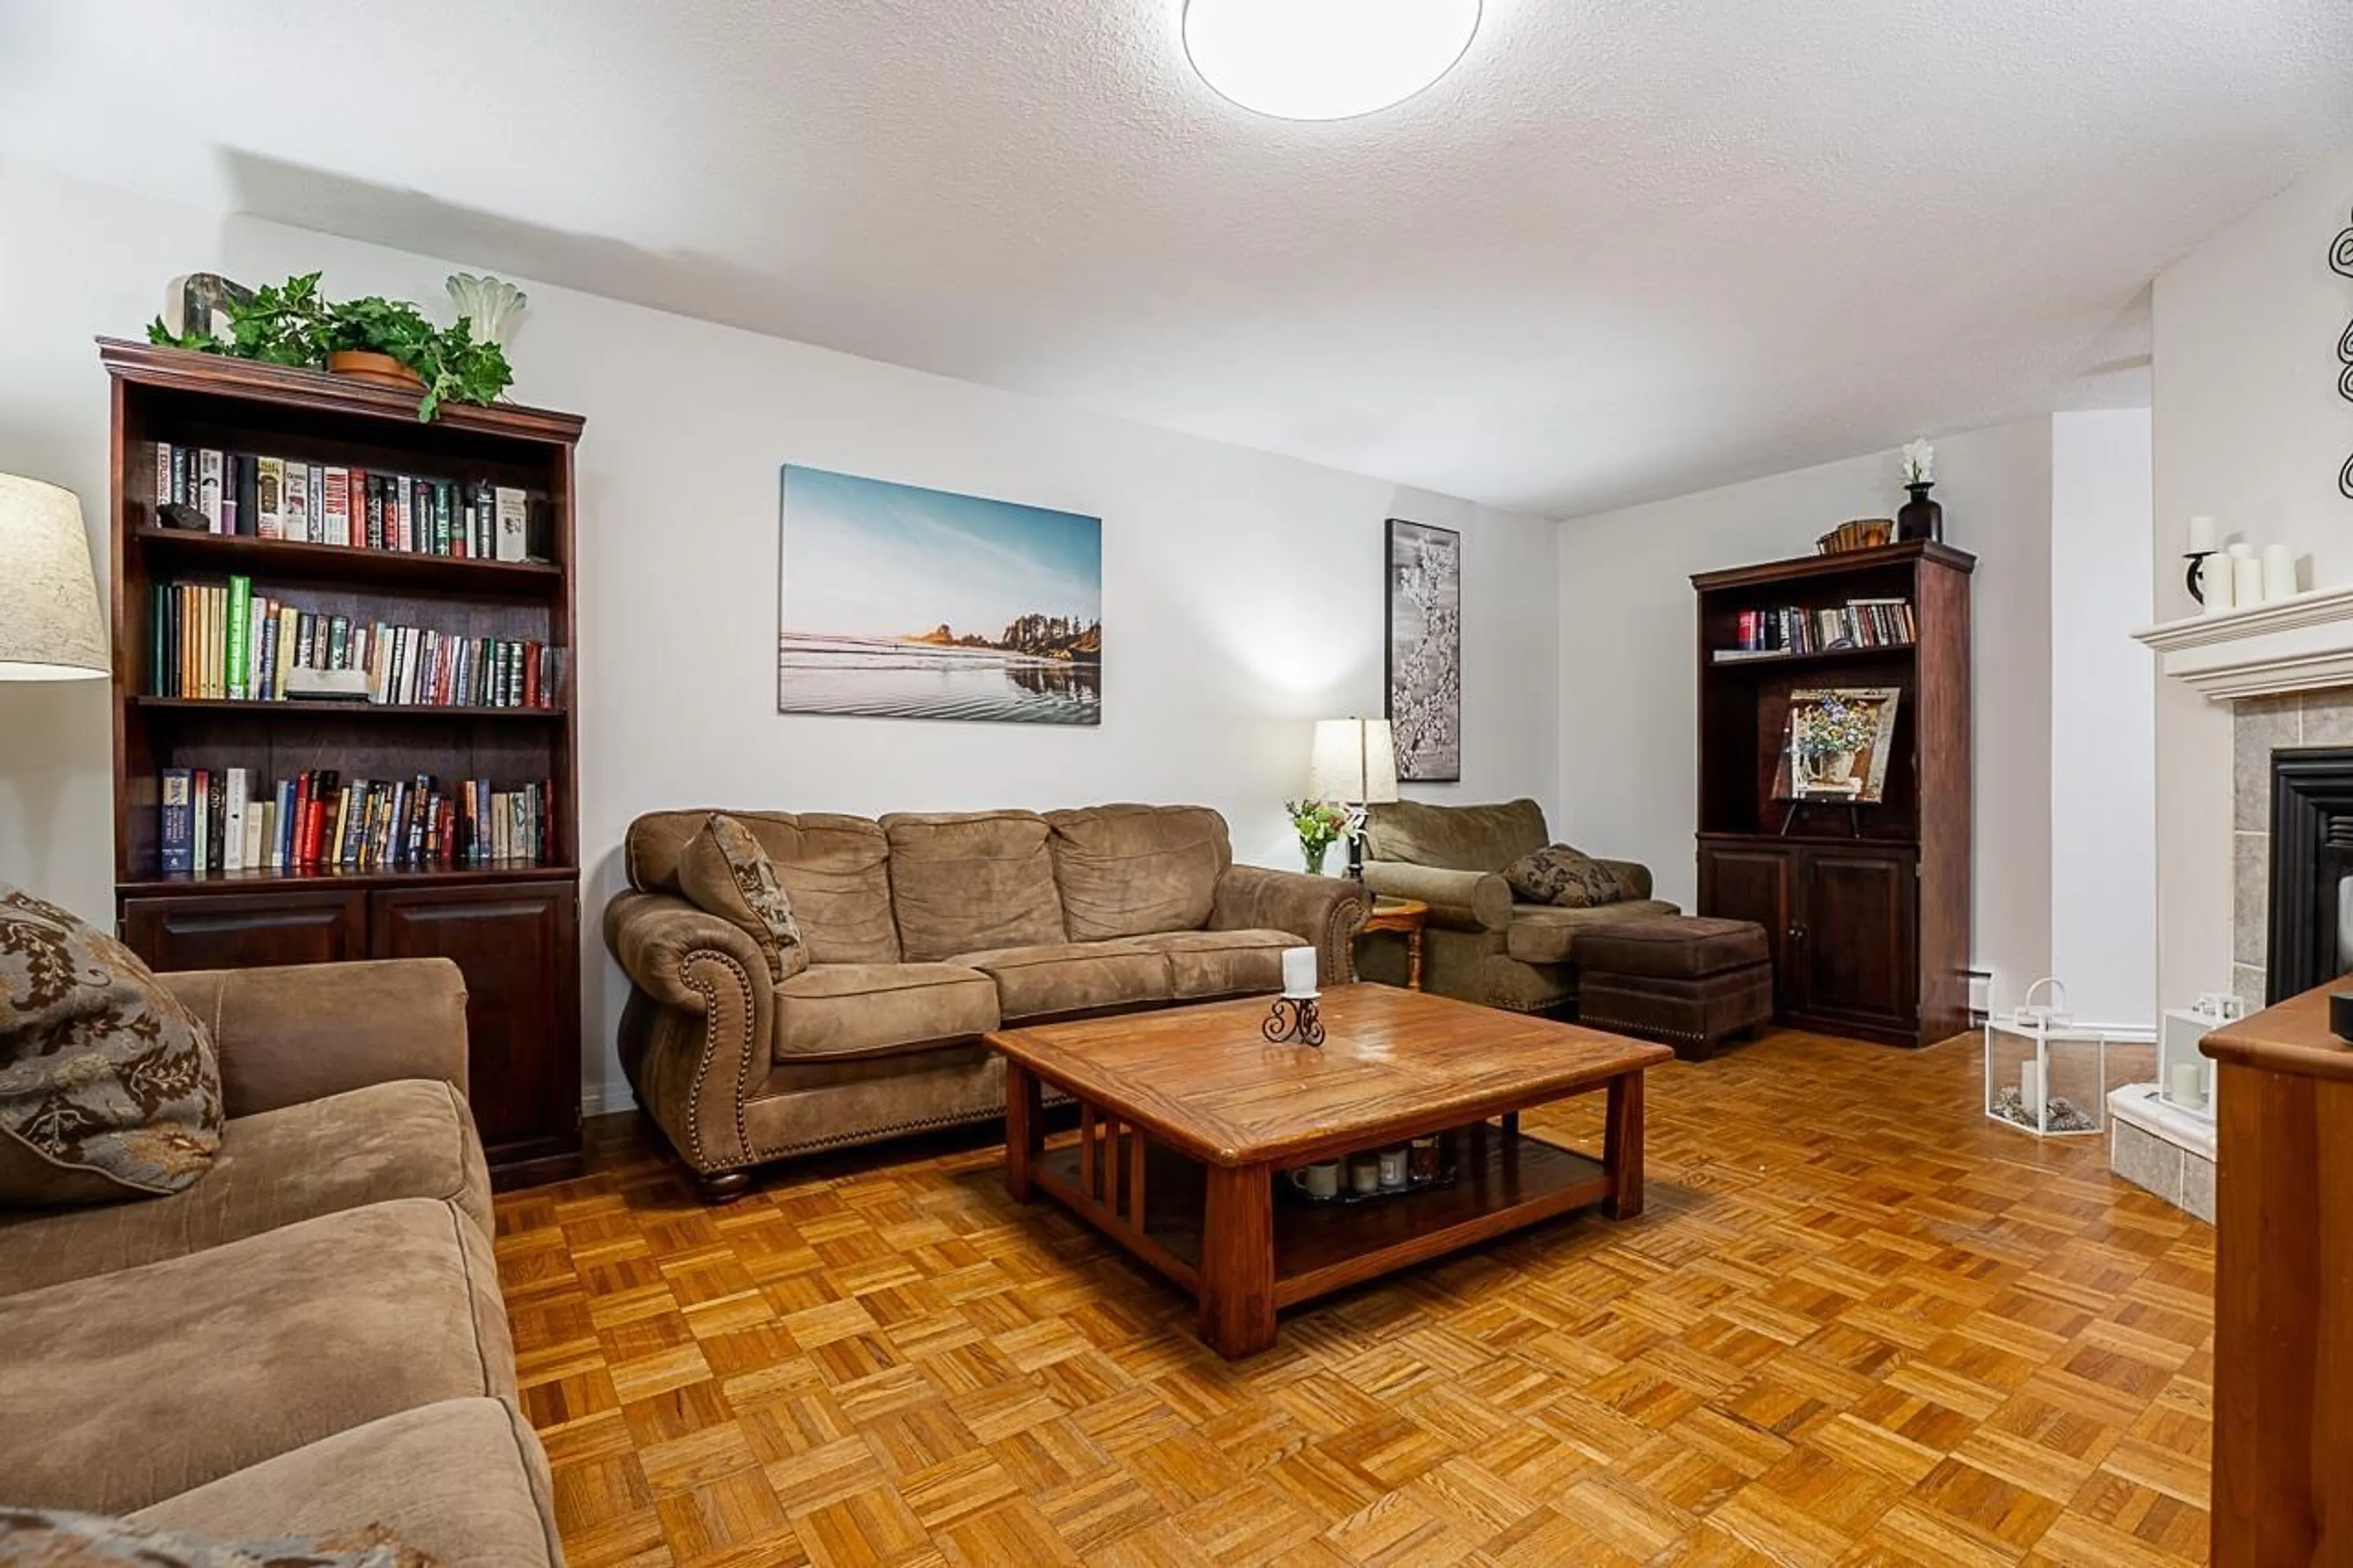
[(1505, 1181)]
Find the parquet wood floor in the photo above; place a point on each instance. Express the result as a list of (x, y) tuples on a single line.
[(1859, 1325)]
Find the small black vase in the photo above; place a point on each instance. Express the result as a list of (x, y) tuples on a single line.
[(1921, 518)]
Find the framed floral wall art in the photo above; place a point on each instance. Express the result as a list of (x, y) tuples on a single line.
[(1837, 745), (1425, 650)]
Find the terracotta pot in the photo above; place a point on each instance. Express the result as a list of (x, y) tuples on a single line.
[(381, 370)]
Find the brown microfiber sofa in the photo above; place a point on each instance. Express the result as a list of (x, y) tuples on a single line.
[(923, 933), (310, 1339), (1480, 945)]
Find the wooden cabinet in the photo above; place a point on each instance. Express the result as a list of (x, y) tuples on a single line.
[(243, 930), (1866, 905), (1843, 923), (519, 947)]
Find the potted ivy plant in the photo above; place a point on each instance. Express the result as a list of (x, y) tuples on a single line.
[(387, 342)]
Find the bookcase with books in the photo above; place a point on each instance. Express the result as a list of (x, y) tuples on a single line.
[(1866, 906), (343, 703)]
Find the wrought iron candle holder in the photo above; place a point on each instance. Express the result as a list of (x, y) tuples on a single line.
[(1294, 1019), (2196, 578)]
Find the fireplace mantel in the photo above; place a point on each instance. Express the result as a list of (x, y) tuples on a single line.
[(2299, 644)]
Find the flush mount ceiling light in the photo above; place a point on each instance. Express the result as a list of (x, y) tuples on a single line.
[(1326, 59)]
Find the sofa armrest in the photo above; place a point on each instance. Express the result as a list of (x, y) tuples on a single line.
[(1634, 874), (1323, 912), (300, 1032), (696, 1053), (1466, 900)]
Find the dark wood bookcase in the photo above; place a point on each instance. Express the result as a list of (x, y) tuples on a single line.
[(512, 927), (1867, 909)]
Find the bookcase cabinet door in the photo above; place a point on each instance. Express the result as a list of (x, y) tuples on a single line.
[(238, 931), (1740, 883), (1860, 955), (518, 946)]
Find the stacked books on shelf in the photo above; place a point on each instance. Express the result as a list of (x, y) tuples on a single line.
[(1793, 629), (221, 641), (316, 821), (323, 503)]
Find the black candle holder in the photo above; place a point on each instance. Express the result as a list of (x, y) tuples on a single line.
[(2196, 577), (1294, 1019)]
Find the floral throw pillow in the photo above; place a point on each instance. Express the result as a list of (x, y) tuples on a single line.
[(89, 1541), (724, 872), (108, 1087), (1559, 875)]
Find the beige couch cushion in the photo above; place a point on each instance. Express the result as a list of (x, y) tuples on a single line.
[(122, 1390), (1541, 933), (1458, 837), (108, 1087), (462, 1481), (856, 1009), (1073, 977), (1222, 963), (1135, 870), (835, 870), (966, 880), (411, 1139)]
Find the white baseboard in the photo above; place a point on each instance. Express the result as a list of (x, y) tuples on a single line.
[(612, 1098)]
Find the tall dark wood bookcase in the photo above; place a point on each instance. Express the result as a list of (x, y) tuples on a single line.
[(1867, 910), (511, 928)]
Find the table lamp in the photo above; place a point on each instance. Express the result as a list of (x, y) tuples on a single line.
[(49, 626), (1353, 763)]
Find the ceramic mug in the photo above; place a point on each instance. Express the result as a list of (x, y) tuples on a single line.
[(1393, 1170), (1364, 1175), (1321, 1180)]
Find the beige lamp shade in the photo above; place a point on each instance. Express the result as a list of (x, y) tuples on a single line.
[(1355, 762), (49, 627)]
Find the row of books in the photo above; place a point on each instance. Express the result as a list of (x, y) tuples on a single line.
[(221, 641), (212, 821), (1857, 623), (322, 503)]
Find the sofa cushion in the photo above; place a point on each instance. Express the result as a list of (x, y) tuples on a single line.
[(1222, 962), (965, 881), (724, 870), (463, 1481), (63, 1539), (1458, 837), (1134, 870), (855, 1009), (835, 870), (409, 1139), (1686, 948), (108, 1087), (1567, 878), (123, 1389), (1073, 977), (1541, 933)]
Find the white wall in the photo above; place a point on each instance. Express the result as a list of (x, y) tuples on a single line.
[(1242, 590), (2248, 429), (1629, 724), (2103, 723)]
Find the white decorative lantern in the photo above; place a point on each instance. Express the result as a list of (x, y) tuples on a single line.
[(2045, 1072)]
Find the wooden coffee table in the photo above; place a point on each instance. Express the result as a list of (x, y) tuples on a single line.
[(1187, 1116)]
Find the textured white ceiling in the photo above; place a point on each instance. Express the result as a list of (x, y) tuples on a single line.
[(1628, 247)]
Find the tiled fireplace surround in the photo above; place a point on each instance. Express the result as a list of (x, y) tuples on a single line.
[(2259, 726)]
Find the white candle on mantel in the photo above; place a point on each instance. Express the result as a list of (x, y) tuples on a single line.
[(2279, 572), (2248, 591), (1299, 972), (2030, 1089), (2216, 576), (2188, 1084), (2201, 534), (2241, 551)]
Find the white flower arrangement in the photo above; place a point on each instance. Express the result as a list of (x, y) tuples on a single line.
[(1919, 463)]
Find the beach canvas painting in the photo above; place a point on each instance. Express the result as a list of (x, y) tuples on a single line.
[(899, 602)]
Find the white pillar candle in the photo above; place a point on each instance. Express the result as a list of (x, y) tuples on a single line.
[(2202, 534), (2241, 551), (1299, 972), (2216, 577), (2030, 1089), (2279, 572), (2248, 589), (2186, 1085)]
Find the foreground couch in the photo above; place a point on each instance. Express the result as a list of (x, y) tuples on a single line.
[(1481, 944), (925, 933), (309, 1340)]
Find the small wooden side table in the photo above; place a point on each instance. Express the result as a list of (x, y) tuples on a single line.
[(1406, 916)]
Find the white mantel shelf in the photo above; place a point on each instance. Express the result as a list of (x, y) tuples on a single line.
[(2299, 644)]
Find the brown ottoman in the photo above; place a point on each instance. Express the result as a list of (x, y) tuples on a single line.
[(1689, 983)]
